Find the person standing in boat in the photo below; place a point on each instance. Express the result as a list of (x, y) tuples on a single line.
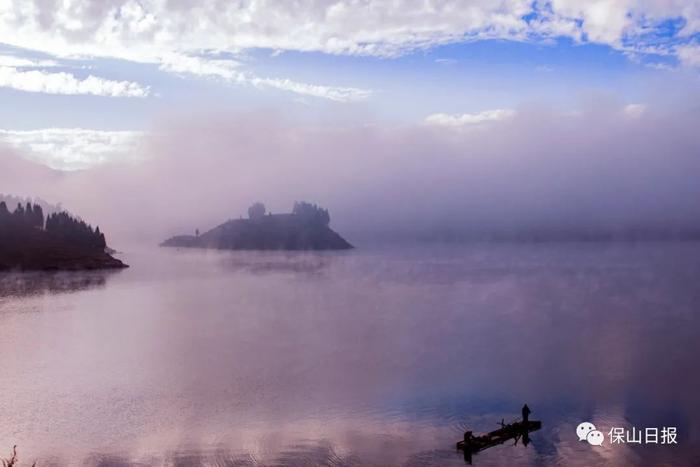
[(526, 413)]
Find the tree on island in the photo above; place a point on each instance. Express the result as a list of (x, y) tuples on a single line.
[(22, 217), (62, 242), (75, 231), (256, 211), (18, 215), (311, 213)]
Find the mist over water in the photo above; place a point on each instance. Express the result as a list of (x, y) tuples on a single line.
[(376, 356), (543, 169), (382, 355), (518, 181)]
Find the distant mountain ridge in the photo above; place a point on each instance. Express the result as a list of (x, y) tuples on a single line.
[(306, 228)]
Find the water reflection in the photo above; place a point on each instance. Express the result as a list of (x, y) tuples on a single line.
[(19, 284), (399, 444), (278, 262), (369, 358)]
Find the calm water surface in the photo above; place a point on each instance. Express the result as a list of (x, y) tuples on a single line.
[(375, 357)]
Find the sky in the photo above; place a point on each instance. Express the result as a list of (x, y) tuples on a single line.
[(367, 93)]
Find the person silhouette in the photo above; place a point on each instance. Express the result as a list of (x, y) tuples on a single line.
[(526, 414)]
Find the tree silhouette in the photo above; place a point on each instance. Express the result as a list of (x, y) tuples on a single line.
[(18, 215), (256, 211), (311, 213), (99, 238), (38, 218), (28, 214), (75, 231)]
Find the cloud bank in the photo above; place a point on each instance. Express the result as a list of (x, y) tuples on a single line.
[(540, 169), (191, 37), (72, 148), (67, 83), (147, 30)]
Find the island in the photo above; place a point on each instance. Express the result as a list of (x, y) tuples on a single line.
[(60, 242), (305, 228)]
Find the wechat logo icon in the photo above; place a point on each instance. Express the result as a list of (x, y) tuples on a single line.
[(586, 432)]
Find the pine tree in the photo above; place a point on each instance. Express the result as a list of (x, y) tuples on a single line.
[(19, 213), (38, 217)]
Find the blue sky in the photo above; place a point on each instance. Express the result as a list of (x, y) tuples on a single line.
[(124, 65), (468, 77)]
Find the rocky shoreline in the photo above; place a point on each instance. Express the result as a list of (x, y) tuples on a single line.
[(57, 259)]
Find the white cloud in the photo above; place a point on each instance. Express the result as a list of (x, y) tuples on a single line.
[(20, 62), (463, 120), (73, 148), (175, 33), (67, 83), (689, 55), (602, 21), (148, 30), (229, 70), (334, 93), (635, 110), (178, 63), (470, 120)]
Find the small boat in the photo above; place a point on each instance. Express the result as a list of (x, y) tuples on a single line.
[(515, 430), (508, 431)]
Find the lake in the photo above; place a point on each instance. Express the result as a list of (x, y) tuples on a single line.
[(379, 356)]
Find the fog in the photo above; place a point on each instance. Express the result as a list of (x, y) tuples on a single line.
[(541, 169)]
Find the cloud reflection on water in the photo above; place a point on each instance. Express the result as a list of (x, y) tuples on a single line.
[(375, 358)]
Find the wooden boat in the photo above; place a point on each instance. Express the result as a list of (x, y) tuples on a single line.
[(473, 444)]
